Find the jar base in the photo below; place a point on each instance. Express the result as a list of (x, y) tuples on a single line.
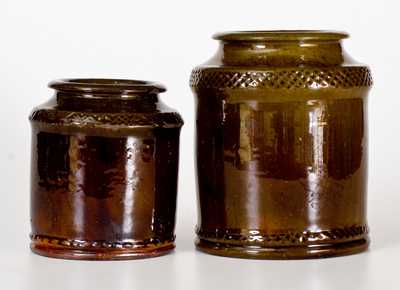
[(283, 253), (50, 248)]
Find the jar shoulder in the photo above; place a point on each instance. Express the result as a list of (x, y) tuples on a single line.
[(281, 65), (158, 116)]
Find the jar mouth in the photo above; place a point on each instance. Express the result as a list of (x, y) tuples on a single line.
[(108, 86), (280, 35)]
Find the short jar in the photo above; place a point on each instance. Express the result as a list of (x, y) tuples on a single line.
[(104, 171)]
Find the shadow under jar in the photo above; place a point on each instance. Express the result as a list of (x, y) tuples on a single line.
[(104, 171), (281, 146)]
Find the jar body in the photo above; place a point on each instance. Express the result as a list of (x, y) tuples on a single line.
[(104, 181), (281, 154)]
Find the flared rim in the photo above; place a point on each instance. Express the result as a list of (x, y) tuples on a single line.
[(104, 85), (281, 35)]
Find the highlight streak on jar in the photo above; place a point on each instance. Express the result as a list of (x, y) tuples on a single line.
[(131, 181), (316, 174), (76, 181)]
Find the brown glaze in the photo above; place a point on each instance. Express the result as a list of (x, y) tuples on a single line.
[(104, 171), (281, 146)]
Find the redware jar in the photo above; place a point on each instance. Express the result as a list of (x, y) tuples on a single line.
[(104, 171), (281, 146)]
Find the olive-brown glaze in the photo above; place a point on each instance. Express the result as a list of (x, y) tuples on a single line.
[(281, 146), (104, 171)]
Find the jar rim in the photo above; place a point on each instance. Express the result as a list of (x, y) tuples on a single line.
[(107, 85), (281, 35)]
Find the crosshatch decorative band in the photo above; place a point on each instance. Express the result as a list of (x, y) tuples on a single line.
[(55, 117), (82, 244), (291, 238), (340, 77)]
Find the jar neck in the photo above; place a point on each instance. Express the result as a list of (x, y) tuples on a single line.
[(281, 48), (106, 103), (106, 95), (281, 53)]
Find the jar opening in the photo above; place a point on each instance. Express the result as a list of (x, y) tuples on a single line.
[(280, 35), (108, 86)]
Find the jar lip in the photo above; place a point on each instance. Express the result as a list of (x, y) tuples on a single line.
[(105, 85), (281, 35)]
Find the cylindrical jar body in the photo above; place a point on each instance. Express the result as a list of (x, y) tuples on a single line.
[(281, 147), (104, 171)]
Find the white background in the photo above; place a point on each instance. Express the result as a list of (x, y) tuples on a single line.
[(162, 41)]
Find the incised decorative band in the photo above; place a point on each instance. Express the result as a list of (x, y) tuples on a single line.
[(234, 236), (340, 77), (84, 244), (66, 118)]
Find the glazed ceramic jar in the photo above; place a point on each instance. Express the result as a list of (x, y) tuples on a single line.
[(281, 146), (104, 171)]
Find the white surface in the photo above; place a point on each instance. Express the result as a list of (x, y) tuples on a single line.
[(44, 40)]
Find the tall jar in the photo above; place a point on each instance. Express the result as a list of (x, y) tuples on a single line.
[(104, 171), (281, 146)]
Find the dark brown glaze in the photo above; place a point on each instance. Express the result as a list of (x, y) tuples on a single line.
[(281, 146), (104, 171)]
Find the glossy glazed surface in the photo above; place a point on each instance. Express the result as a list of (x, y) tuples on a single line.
[(104, 171), (281, 147)]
